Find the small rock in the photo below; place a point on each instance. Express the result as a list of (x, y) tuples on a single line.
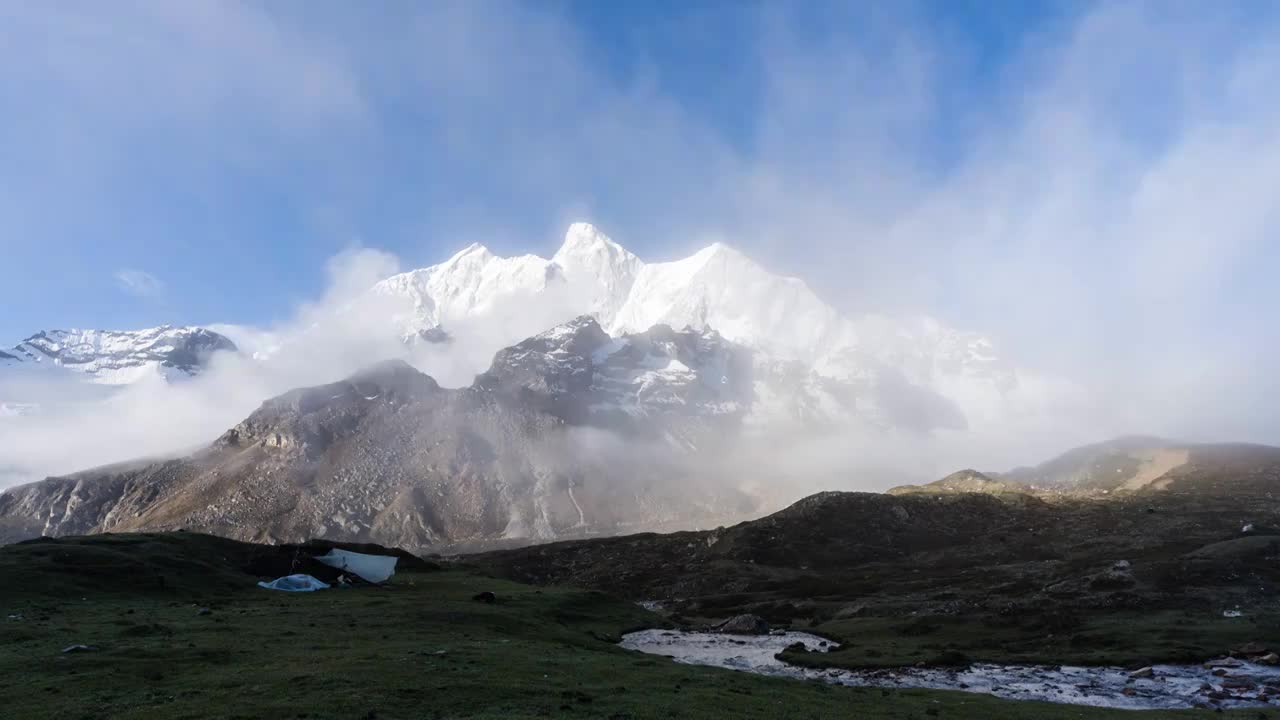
[(204, 611), (485, 597), (1121, 565), (1250, 649), (1129, 691), (1232, 614), (1237, 684), (1144, 672), (78, 648)]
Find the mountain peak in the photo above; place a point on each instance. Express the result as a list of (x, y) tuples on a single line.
[(599, 269), (583, 241), (475, 251), (584, 234), (723, 252)]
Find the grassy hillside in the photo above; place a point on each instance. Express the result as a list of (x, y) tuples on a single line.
[(418, 648), (915, 578)]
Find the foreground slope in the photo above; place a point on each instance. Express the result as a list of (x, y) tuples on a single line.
[(419, 648)]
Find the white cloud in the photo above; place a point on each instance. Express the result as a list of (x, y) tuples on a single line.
[(140, 283)]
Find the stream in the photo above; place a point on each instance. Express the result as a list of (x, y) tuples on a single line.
[(1222, 683)]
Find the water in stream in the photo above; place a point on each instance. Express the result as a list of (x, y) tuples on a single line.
[(1225, 683)]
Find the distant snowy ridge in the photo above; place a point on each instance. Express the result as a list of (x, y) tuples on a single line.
[(119, 357)]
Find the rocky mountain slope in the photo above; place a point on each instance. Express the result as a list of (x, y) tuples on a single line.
[(569, 433), (118, 358), (1131, 465)]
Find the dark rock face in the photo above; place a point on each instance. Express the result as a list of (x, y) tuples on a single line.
[(432, 336), (686, 386), (389, 456), (192, 350)]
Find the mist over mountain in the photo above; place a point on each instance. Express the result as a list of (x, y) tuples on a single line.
[(599, 425), (847, 395)]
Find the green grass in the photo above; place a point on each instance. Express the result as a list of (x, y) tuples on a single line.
[(420, 648)]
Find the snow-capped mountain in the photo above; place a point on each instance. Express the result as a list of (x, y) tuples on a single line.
[(118, 358), (912, 371)]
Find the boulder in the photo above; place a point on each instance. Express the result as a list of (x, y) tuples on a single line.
[(849, 611), (744, 625)]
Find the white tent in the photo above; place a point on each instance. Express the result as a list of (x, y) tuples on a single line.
[(294, 583), (374, 568)]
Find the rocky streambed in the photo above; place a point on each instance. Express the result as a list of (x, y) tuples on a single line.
[(1222, 683)]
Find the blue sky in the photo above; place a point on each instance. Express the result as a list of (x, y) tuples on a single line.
[(1087, 183), (152, 141)]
